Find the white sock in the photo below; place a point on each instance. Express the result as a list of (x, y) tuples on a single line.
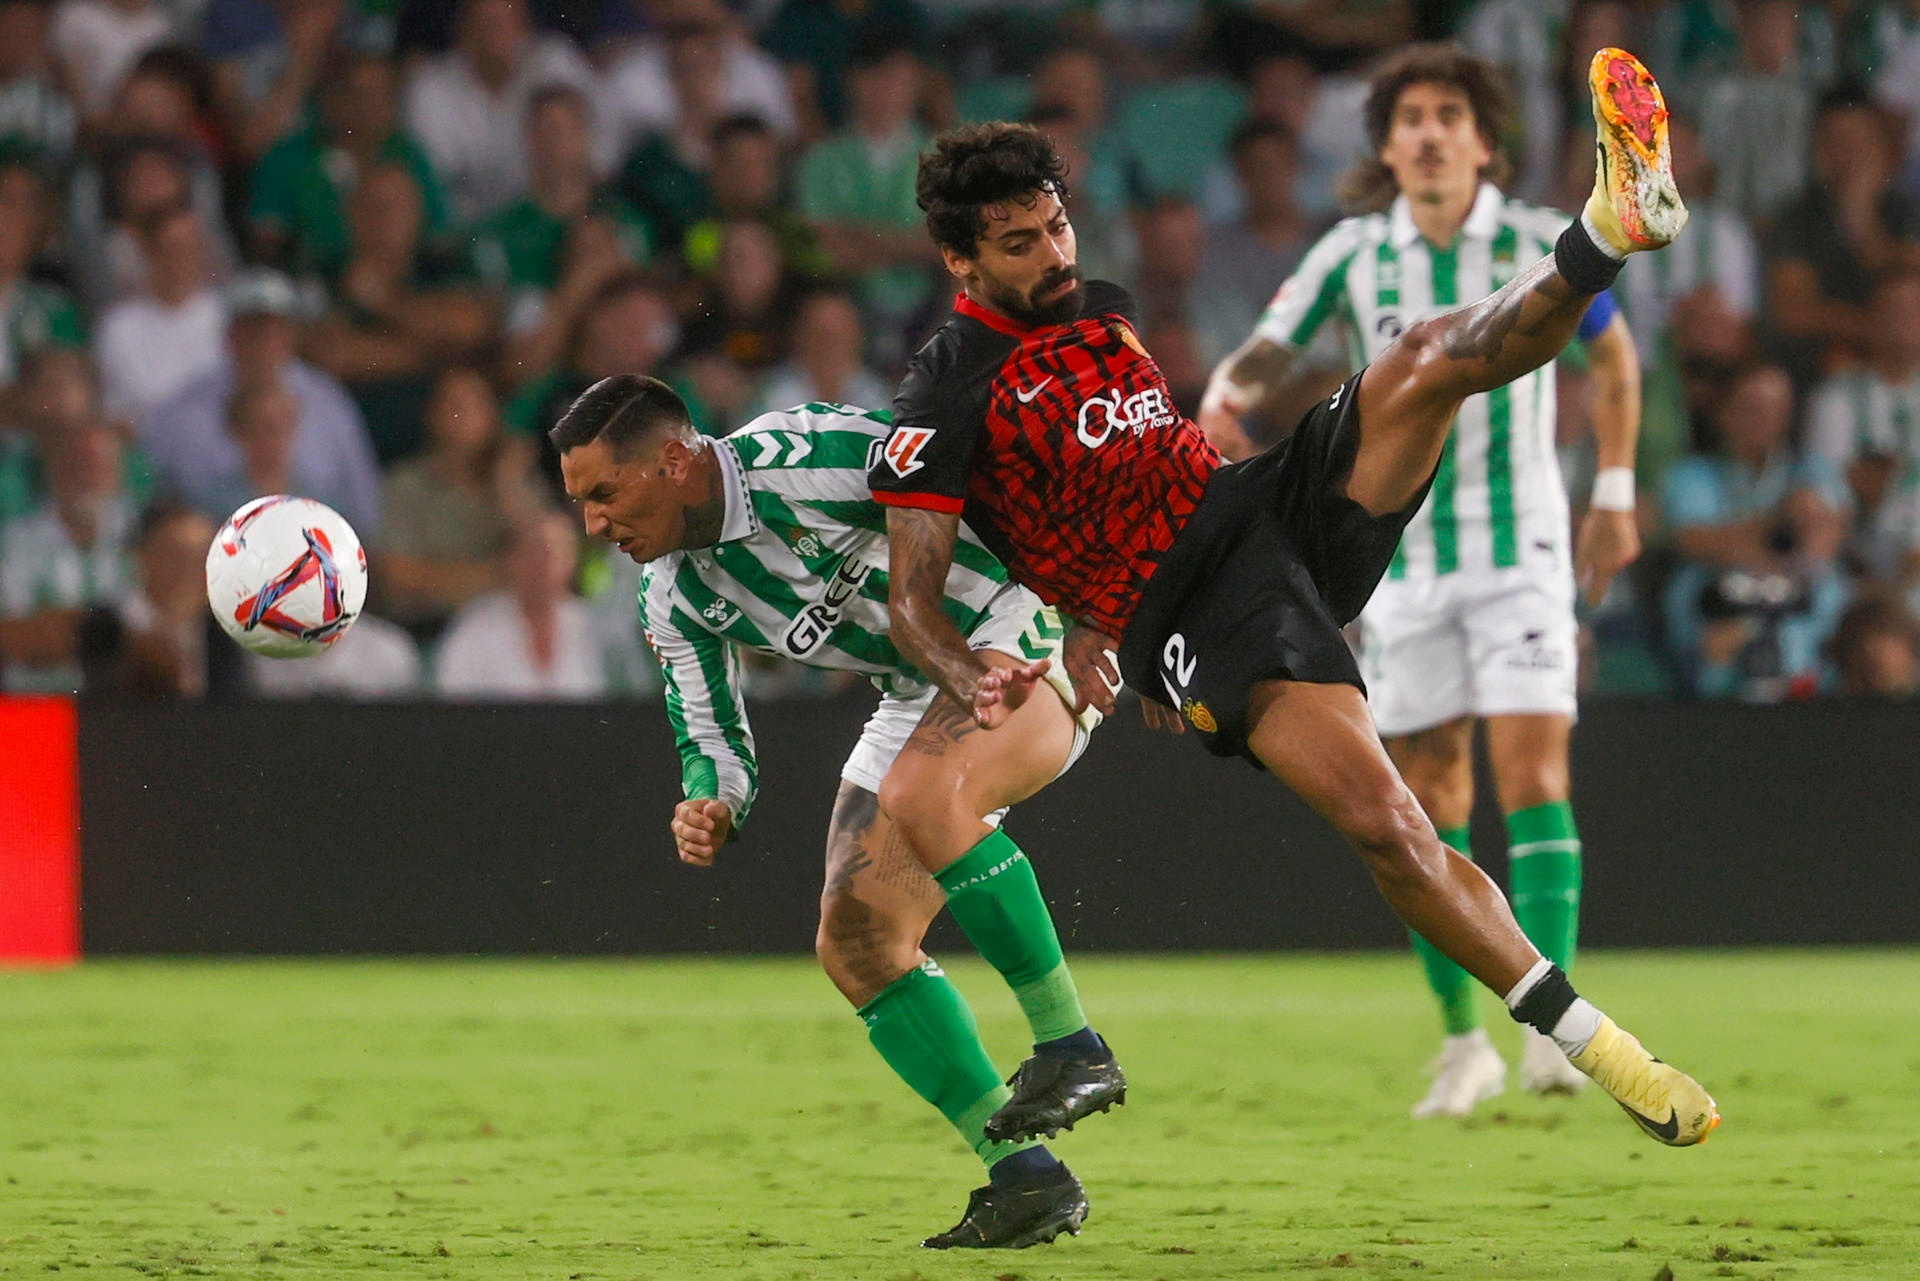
[(1600, 242), (1576, 1028), (1527, 980)]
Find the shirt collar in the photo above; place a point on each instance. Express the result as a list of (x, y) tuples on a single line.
[(1483, 220), (738, 522)]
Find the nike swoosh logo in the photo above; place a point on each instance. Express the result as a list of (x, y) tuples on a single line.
[(1666, 1132), (1026, 397)]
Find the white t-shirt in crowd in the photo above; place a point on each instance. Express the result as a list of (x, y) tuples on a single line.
[(148, 350), (487, 653)]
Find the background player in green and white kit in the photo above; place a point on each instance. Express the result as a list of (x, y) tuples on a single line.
[(1475, 618), (770, 539)]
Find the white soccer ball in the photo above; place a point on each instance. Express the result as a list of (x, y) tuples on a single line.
[(286, 576)]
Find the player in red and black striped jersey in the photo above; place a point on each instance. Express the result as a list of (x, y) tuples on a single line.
[(1089, 454), (1224, 588)]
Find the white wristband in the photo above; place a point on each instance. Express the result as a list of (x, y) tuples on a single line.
[(1613, 490)]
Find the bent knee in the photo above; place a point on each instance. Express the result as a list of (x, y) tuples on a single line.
[(1397, 840)]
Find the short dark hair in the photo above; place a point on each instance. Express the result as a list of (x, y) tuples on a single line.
[(621, 410), (979, 165), (1256, 129), (1369, 185)]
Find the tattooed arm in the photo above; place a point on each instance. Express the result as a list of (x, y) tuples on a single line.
[(920, 552), (1241, 385)]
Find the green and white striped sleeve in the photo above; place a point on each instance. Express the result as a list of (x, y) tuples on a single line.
[(701, 673), (1316, 292)]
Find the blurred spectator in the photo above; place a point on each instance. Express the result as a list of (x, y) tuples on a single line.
[(1523, 39), (825, 364), (740, 325), (858, 188), (155, 342), (1896, 77), (56, 562), (528, 250), (468, 106), (1070, 93), (1849, 223), (375, 660), (533, 640), (1245, 261), (262, 419), (187, 437), (1757, 118), (296, 212), (56, 392), (746, 182), (154, 155), (701, 70), (449, 508), (1757, 528), (35, 111), (32, 315), (162, 642), (1325, 118), (99, 41), (1865, 422), (667, 171), (269, 56), (1172, 241), (399, 311), (815, 40), (628, 326), (1876, 649)]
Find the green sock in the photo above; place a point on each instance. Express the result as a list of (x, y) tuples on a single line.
[(1544, 848), (1453, 985), (922, 1027), (992, 892)]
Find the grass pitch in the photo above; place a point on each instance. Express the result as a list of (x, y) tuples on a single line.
[(676, 1121)]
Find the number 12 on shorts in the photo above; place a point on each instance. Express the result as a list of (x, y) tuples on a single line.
[(1177, 668)]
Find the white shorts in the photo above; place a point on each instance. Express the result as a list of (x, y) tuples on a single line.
[(1496, 643), (1032, 632)]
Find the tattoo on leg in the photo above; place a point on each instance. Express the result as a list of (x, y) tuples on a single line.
[(944, 725), (864, 936), (1480, 332)]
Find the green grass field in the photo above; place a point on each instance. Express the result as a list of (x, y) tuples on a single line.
[(676, 1121)]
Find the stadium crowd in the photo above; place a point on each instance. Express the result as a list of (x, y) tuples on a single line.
[(366, 251)]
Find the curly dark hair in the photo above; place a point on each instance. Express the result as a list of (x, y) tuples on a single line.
[(1369, 185), (979, 165)]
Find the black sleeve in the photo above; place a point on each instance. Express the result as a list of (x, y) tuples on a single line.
[(936, 420), (1104, 298)]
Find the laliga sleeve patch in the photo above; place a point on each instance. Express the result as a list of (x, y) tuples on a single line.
[(903, 449)]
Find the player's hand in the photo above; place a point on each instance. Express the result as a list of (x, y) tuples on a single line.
[(1160, 716), (1088, 655), (1609, 541), (700, 828), (1003, 689)]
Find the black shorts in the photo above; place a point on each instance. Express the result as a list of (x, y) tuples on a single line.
[(1269, 568)]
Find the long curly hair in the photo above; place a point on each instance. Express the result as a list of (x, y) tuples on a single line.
[(1369, 186)]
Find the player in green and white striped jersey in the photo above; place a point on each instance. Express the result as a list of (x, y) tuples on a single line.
[(769, 539), (1475, 618), (1866, 423)]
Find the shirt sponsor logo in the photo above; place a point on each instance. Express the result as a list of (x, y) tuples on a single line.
[(903, 449), (720, 613), (816, 622), (1102, 416)]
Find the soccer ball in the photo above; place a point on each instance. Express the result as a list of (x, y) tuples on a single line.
[(286, 576)]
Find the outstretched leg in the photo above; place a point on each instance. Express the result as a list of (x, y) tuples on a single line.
[(1408, 396), (1320, 741)]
